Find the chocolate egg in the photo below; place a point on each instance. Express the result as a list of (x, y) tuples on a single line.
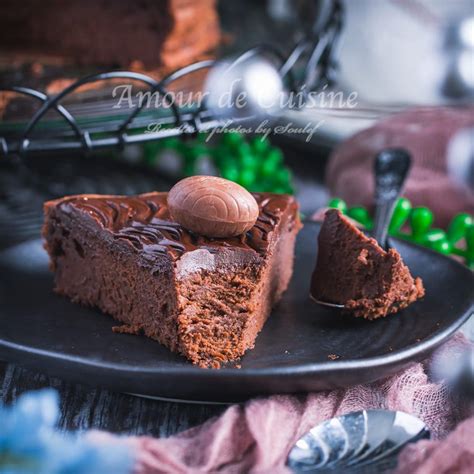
[(213, 207)]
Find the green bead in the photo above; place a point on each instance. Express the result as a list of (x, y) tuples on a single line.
[(276, 156), (271, 163), (260, 145), (256, 187), (283, 176), (337, 203), (268, 168), (435, 235), (248, 161), (360, 214), (421, 220), (230, 172), (243, 149), (469, 236), (442, 246), (232, 139), (262, 186), (457, 227), (246, 178), (400, 215), (279, 190)]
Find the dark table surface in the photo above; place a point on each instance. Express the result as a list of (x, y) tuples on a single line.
[(85, 407)]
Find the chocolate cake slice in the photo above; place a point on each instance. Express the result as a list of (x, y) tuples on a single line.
[(352, 269), (110, 33), (204, 298)]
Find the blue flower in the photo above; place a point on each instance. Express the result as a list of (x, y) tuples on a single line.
[(29, 442)]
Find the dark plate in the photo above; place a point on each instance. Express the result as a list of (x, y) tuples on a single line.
[(46, 332)]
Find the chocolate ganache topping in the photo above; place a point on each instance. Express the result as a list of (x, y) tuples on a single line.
[(146, 223)]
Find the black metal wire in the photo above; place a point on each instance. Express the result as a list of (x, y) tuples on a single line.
[(161, 87), (44, 99), (51, 102), (319, 49)]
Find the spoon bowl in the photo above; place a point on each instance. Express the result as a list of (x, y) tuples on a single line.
[(361, 438)]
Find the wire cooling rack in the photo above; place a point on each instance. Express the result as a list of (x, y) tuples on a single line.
[(311, 65)]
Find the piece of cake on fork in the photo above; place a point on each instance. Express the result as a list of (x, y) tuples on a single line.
[(353, 270)]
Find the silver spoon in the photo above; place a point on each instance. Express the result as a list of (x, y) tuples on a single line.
[(367, 439), (390, 169)]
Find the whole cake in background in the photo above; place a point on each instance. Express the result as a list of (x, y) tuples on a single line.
[(353, 270), (168, 33), (203, 297)]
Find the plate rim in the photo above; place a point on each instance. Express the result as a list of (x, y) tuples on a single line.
[(396, 357)]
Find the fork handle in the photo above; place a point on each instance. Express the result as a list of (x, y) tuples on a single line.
[(390, 169)]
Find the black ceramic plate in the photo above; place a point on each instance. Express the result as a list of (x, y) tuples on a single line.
[(294, 352)]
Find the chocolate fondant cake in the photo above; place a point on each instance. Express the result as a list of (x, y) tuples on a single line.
[(112, 33), (205, 298), (352, 269)]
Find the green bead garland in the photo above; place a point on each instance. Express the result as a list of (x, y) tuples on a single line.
[(415, 225), (253, 163)]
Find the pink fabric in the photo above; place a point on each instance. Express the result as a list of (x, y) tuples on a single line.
[(453, 455), (257, 436), (426, 133)]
